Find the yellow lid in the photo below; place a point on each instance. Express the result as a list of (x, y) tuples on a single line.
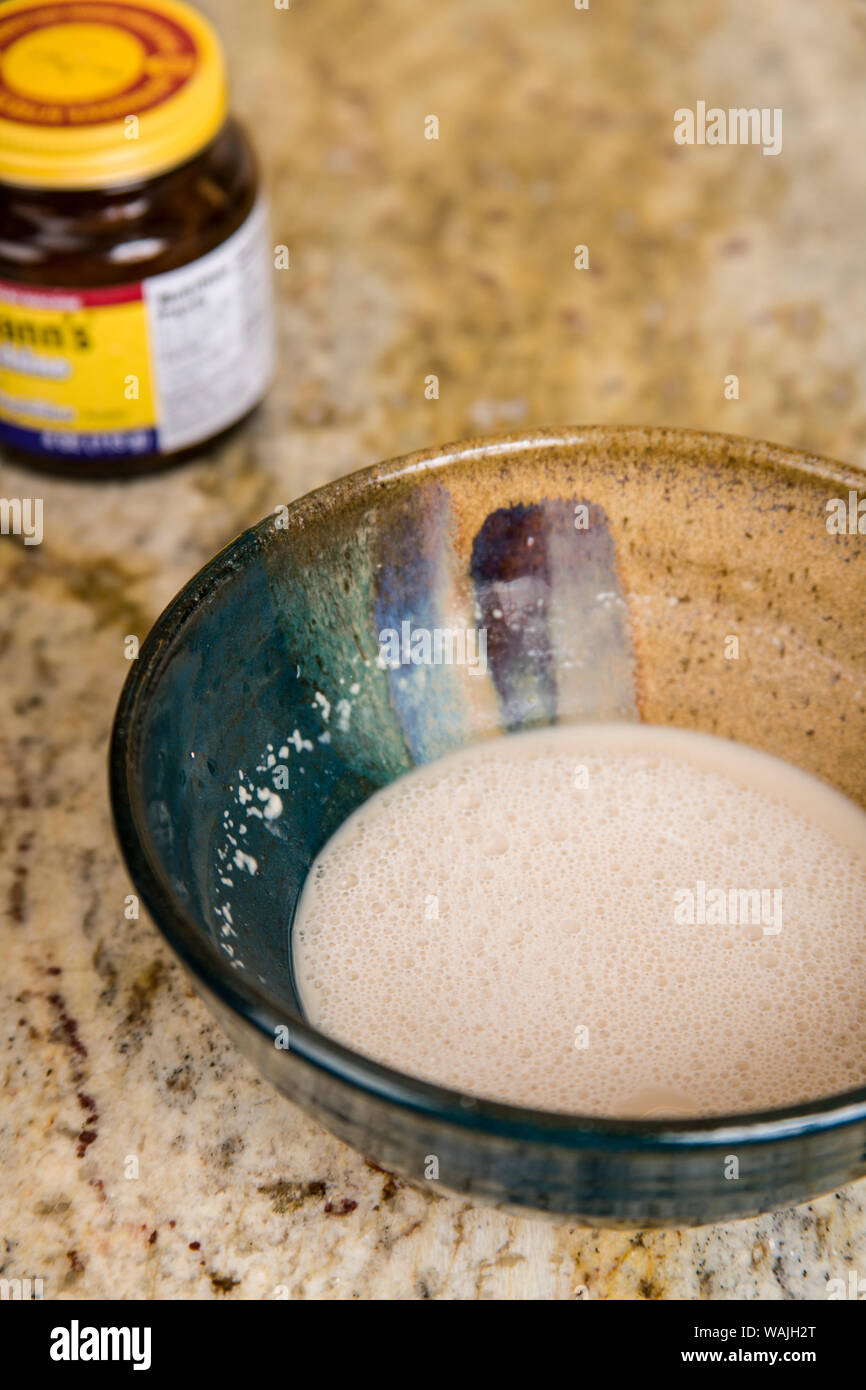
[(96, 93)]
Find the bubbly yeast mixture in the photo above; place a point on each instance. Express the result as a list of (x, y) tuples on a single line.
[(609, 919)]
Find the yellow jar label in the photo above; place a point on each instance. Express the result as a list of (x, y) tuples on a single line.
[(75, 371), (152, 366)]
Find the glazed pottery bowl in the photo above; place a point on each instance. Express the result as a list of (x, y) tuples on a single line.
[(260, 685)]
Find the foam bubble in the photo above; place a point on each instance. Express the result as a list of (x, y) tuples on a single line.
[(487, 924)]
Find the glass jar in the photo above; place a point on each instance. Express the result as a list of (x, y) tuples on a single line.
[(135, 276)]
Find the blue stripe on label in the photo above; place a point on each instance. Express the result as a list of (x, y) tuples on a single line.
[(72, 444)]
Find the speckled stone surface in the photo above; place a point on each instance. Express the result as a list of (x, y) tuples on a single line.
[(408, 257)]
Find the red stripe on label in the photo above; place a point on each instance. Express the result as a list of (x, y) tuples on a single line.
[(116, 294), (67, 301)]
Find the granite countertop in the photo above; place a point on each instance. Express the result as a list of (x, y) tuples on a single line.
[(408, 256)]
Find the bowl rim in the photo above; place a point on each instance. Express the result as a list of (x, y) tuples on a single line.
[(243, 996)]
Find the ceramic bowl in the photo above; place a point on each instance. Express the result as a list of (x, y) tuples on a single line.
[(264, 671)]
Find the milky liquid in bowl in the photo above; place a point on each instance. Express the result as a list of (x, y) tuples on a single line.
[(615, 920)]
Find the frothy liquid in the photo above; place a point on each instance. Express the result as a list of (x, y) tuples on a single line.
[(603, 919)]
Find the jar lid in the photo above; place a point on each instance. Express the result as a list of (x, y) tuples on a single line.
[(98, 93)]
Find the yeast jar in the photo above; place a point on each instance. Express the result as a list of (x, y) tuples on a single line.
[(135, 276)]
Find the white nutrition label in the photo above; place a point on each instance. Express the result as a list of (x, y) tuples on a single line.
[(210, 327)]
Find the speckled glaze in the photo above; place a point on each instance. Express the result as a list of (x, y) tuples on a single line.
[(270, 654)]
